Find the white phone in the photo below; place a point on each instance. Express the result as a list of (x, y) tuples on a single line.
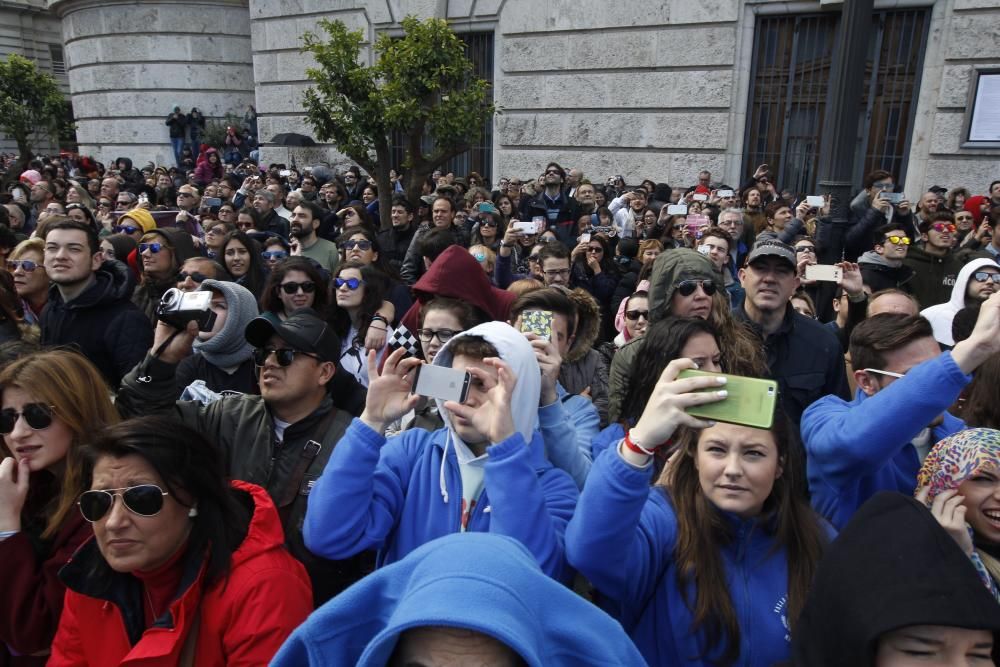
[(677, 209), (825, 272), (583, 238), (723, 194), (699, 197), (815, 201), (444, 384), (527, 227)]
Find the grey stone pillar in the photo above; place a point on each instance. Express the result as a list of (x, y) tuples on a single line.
[(130, 63)]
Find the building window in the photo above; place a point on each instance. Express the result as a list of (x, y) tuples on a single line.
[(788, 88), (58, 59)]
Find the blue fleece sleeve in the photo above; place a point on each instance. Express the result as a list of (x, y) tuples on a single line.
[(356, 502), (568, 429), (529, 505), (623, 532), (846, 440)]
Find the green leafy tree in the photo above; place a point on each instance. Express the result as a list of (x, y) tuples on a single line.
[(30, 105), (421, 84)]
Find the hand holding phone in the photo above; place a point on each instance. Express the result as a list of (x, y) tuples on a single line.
[(389, 396), (677, 209), (538, 322), (672, 401), (749, 401)]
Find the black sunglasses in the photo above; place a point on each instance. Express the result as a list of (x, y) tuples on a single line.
[(634, 315), (125, 229), (37, 415), (688, 287), (196, 276), (307, 286), (144, 500), (285, 355), (364, 246)]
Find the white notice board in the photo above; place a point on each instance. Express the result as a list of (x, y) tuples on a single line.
[(983, 120)]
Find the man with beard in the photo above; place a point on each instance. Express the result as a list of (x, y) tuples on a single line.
[(305, 221)]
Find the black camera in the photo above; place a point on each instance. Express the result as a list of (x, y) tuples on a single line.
[(177, 308)]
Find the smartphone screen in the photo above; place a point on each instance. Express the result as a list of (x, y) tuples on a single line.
[(824, 272), (444, 384), (677, 209), (538, 322), (751, 401), (815, 201)]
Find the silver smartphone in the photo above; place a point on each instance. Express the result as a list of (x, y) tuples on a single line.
[(444, 384), (825, 272)]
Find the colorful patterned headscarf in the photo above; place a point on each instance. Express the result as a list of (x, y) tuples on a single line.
[(959, 457)]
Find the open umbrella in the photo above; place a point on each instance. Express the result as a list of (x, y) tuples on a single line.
[(292, 139)]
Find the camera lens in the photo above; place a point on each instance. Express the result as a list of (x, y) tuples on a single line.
[(171, 299)]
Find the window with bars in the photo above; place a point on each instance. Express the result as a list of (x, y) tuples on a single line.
[(789, 79), (58, 59), (478, 49)]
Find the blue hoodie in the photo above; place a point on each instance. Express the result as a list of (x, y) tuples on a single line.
[(622, 539), (397, 494), (856, 449), (486, 583)]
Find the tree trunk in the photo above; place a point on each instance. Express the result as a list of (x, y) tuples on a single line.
[(382, 168)]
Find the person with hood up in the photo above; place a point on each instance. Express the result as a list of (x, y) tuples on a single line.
[(90, 304), (883, 267), (936, 263), (430, 605), (223, 359), (976, 282), (485, 471), (675, 273), (959, 481), (161, 254), (209, 168), (894, 590)]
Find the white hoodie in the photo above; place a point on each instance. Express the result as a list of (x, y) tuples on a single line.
[(941, 315)]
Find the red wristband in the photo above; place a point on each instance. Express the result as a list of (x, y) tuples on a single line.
[(637, 448)]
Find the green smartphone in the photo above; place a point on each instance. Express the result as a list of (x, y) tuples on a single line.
[(751, 401)]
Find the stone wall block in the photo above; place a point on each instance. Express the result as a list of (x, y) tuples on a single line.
[(618, 48), (281, 66), (488, 7), (970, 36), (947, 134), (691, 130), (975, 174), (260, 9), (520, 16), (218, 48), (280, 99), (269, 126), (84, 23), (976, 4), (286, 33), (692, 47), (530, 54), (617, 90), (684, 167), (458, 9), (634, 166), (703, 11), (955, 81)]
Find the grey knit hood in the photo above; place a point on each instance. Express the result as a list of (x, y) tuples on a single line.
[(229, 347)]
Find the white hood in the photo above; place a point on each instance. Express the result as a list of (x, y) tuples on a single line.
[(941, 315)]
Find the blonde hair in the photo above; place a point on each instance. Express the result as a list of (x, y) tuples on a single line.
[(80, 399), (29, 245)]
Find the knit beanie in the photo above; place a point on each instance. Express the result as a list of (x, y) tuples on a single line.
[(229, 347), (142, 217)]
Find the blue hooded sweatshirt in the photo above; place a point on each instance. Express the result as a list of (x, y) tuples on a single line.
[(395, 495), (622, 538), (487, 583), (857, 449)]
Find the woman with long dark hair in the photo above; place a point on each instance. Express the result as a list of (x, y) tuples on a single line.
[(593, 269), (242, 258), (713, 565), (185, 567), (295, 282), (359, 290)]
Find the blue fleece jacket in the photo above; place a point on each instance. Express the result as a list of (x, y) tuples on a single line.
[(622, 539), (568, 427), (386, 495), (856, 449), (476, 581)]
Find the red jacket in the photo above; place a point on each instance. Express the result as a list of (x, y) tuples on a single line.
[(244, 618), (32, 596)]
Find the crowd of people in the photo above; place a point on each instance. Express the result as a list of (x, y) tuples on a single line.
[(244, 422)]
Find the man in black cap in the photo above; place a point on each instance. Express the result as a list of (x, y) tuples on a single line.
[(803, 355), (281, 439)]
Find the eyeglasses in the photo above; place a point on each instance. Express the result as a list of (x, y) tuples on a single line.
[(595, 250), (144, 500), (151, 247), (633, 315), (307, 287), (881, 372), (125, 229), (443, 335), (679, 227), (944, 227), (552, 171), (125, 203), (805, 249), (37, 415), (488, 223), (898, 240), (556, 272), (364, 246), (24, 264), (882, 186), (184, 194), (352, 283), (284, 355), (196, 276), (104, 204), (274, 255), (688, 287), (980, 276), (217, 229), (731, 223)]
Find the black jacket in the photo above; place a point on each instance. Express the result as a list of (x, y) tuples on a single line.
[(394, 243), (891, 567), (102, 323), (879, 275), (177, 125), (565, 223), (272, 222)]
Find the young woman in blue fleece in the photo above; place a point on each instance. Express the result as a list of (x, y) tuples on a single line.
[(712, 566), (485, 471)]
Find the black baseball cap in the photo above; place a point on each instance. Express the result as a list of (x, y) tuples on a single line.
[(304, 330), (772, 248)]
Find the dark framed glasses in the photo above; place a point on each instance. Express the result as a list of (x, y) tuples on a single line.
[(352, 283), (274, 255), (25, 264), (898, 240), (284, 356), (151, 247), (944, 227), (688, 287), (805, 248), (307, 286), (983, 276), (633, 315), (443, 335), (196, 276), (124, 229), (104, 204), (144, 500), (37, 415), (360, 245), (488, 223)]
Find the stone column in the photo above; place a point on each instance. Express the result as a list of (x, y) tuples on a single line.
[(131, 63)]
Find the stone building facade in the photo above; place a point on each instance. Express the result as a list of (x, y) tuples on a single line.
[(643, 89)]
